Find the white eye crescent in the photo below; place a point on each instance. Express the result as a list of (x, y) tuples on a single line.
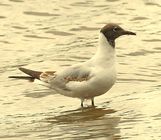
[(115, 29)]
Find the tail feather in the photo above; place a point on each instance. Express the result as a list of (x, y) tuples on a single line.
[(32, 74)]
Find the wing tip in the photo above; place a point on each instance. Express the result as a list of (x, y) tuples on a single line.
[(22, 69), (31, 79), (32, 73)]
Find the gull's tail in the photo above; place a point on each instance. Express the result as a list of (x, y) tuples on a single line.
[(32, 75)]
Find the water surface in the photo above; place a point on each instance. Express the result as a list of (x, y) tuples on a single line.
[(48, 35)]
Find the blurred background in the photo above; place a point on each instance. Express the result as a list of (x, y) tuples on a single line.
[(49, 35)]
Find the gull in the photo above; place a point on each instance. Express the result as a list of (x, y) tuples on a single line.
[(89, 79)]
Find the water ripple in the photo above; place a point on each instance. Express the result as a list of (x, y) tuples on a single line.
[(2, 17), (139, 18), (152, 40), (37, 37), (19, 27), (152, 4), (142, 52), (85, 28), (59, 33), (137, 80), (16, 0), (39, 13), (3, 4)]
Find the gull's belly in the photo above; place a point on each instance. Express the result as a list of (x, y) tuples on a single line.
[(102, 84)]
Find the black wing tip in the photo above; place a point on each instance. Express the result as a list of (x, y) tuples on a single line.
[(22, 69), (19, 76), (32, 73), (22, 77), (12, 76)]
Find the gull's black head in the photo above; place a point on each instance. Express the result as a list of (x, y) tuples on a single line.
[(112, 31)]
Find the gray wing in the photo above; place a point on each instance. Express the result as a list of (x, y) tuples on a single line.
[(77, 74), (71, 74)]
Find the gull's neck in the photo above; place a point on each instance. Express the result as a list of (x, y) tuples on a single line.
[(105, 52)]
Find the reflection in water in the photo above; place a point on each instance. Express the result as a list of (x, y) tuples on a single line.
[(81, 115), (89, 123)]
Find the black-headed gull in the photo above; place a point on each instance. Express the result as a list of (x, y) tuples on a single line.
[(88, 79)]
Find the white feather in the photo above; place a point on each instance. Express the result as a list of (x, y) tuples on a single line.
[(99, 71)]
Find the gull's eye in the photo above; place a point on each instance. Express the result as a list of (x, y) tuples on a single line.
[(115, 29)]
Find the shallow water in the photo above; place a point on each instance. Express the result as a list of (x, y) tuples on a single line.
[(50, 34)]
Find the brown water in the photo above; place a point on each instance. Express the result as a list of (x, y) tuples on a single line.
[(47, 35)]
